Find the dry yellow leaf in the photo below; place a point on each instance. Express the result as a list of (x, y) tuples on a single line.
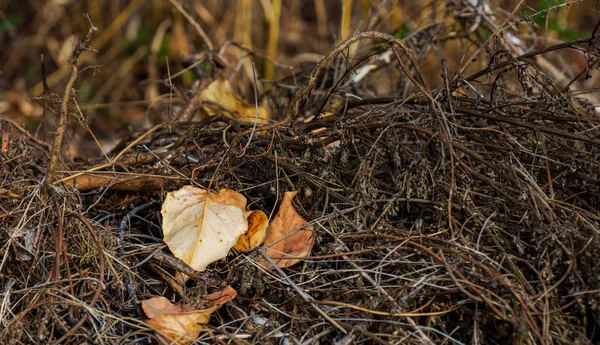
[(180, 324), (289, 238), (257, 230), (221, 93), (201, 227)]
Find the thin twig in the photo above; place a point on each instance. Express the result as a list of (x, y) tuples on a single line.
[(64, 112), (302, 294), (255, 84), (192, 21)]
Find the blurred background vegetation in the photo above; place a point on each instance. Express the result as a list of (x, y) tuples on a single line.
[(527, 133), (139, 44)]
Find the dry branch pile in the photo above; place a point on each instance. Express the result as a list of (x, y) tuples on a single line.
[(467, 213)]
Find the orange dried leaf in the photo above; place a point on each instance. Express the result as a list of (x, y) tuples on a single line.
[(215, 300), (257, 230), (201, 227), (178, 324), (181, 328), (289, 238), (160, 305)]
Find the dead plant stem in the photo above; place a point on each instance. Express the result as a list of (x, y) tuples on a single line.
[(64, 111)]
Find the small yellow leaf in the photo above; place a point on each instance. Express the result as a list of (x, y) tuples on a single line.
[(288, 238), (257, 230), (221, 93), (179, 324), (201, 227)]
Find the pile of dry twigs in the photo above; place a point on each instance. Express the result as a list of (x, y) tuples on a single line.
[(465, 213)]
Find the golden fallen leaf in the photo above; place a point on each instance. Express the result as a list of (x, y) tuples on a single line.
[(222, 93), (180, 324), (257, 230), (201, 227), (289, 238)]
